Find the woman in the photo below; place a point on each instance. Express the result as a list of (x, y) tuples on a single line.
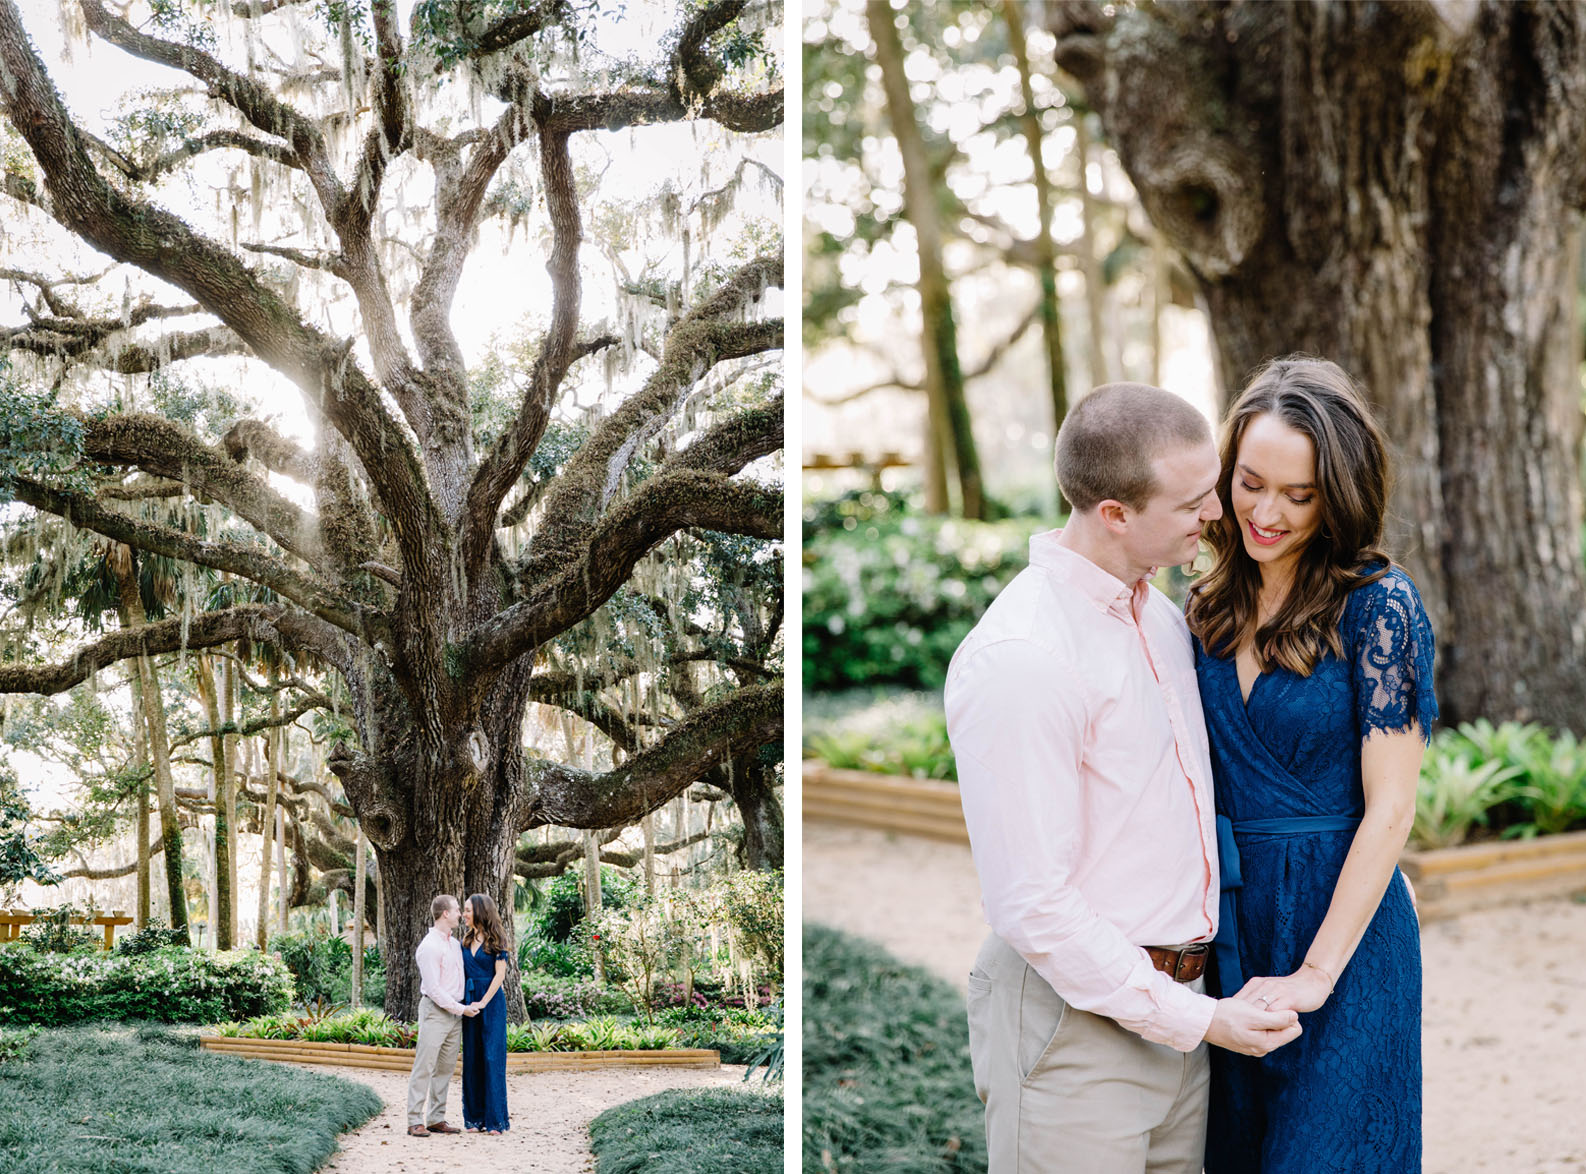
[(1314, 659), (484, 1034)]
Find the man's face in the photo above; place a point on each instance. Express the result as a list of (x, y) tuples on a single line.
[(449, 919), (1167, 532)]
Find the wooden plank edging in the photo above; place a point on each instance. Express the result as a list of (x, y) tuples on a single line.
[(401, 1059)]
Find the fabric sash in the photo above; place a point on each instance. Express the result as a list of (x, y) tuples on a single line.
[(1226, 944)]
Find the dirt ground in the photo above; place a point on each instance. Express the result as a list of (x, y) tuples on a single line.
[(551, 1112), (1504, 1027)]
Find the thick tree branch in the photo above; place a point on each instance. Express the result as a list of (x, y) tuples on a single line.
[(732, 443), (164, 246), (575, 798), (664, 505), (164, 448), (746, 113), (250, 563), (253, 438), (204, 630)]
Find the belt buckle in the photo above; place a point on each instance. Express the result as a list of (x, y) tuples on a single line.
[(1186, 955)]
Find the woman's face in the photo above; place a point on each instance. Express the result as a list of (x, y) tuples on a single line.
[(1274, 496), (468, 914)]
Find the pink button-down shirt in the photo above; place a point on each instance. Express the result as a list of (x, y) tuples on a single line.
[(440, 959), (1086, 782)]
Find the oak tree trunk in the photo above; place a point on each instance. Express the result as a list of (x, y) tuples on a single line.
[(1396, 188)]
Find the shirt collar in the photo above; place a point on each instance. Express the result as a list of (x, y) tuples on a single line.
[(440, 933), (1105, 591)]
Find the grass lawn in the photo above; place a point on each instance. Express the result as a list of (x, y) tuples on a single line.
[(134, 1098), (692, 1131), (887, 1081)]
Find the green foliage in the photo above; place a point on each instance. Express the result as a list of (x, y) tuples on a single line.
[(14, 1042), (641, 941), (570, 959), (562, 907), (695, 1131), (1508, 779), (752, 903), (52, 932), (170, 985), (156, 935), (19, 855), (888, 595), (321, 966), (37, 439), (918, 748), (887, 1080), (137, 1101), (602, 1033), (558, 997)]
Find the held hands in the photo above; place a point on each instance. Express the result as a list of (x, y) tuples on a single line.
[(1248, 1028), (1304, 990), (471, 1010)]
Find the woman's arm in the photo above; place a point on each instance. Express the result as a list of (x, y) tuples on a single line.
[(495, 983), (1390, 765)]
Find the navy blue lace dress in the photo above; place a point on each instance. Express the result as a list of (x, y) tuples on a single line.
[(484, 1046), (1346, 1095)]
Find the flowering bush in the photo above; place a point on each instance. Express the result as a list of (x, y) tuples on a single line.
[(171, 985), (888, 595), (549, 996)]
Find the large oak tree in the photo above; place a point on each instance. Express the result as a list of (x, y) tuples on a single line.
[(1397, 187), (397, 578)]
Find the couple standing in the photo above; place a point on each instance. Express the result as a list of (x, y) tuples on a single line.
[(449, 973), (1090, 721)]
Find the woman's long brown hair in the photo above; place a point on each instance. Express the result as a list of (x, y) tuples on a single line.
[(1316, 398), (487, 927)]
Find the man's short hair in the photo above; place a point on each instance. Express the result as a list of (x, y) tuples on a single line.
[(441, 904), (1107, 443)]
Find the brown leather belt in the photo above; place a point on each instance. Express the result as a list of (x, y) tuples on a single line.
[(1184, 965)]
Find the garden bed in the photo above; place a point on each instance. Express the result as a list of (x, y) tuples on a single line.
[(918, 807), (1447, 880), (401, 1059)]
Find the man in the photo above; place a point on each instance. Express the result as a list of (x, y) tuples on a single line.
[(440, 960), (1086, 783)]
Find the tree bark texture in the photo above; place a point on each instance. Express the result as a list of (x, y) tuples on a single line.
[(1396, 187)]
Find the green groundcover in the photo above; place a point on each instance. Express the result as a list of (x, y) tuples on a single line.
[(137, 1099), (693, 1131), (887, 1081)]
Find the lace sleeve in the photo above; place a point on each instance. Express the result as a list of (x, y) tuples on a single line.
[(1393, 659)]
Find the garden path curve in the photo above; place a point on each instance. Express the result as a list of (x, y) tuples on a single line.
[(551, 1112), (1504, 1019)]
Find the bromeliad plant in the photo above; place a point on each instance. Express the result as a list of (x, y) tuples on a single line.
[(1506, 779)]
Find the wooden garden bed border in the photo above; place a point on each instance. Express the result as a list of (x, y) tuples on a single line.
[(401, 1059), (1447, 880)]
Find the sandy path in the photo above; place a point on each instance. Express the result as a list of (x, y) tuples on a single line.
[(1505, 993), (551, 1112)]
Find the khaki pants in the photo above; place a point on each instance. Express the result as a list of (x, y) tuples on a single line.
[(1068, 1091), (434, 1061)]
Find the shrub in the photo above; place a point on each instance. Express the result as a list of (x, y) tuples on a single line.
[(170, 985), (917, 749), (53, 932), (569, 959), (549, 996), (889, 595), (562, 906), (14, 1042), (155, 935)]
